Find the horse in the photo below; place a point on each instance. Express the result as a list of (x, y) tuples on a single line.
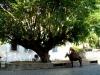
[(74, 57)]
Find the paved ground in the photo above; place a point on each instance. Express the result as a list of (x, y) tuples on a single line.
[(93, 69)]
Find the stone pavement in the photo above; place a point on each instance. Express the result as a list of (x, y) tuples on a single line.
[(93, 69)]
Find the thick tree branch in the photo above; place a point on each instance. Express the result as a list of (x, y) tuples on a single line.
[(8, 12)]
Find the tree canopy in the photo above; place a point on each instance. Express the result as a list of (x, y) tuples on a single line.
[(42, 24)]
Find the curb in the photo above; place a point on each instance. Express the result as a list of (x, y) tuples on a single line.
[(52, 65)]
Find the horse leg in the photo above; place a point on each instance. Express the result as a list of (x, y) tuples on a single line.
[(72, 63), (80, 61)]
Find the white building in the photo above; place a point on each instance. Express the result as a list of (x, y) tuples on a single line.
[(57, 53)]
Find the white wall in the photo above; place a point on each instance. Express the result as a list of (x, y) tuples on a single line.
[(3, 52), (20, 55), (60, 54)]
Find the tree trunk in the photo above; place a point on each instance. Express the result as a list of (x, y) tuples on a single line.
[(44, 56)]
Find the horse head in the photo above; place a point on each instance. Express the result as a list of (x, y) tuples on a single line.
[(66, 55)]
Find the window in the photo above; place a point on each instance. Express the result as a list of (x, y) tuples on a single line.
[(14, 47), (54, 49)]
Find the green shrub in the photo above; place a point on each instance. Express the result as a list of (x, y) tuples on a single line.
[(77, 48)]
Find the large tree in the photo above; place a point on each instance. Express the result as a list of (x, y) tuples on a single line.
[(42, 24)]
